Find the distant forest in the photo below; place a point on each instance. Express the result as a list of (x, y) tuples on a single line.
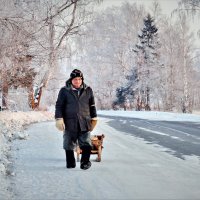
[(133, 58)]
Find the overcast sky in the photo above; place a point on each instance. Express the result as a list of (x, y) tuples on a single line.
[(167, 5)]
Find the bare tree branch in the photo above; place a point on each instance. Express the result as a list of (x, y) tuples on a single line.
[(70, 26)]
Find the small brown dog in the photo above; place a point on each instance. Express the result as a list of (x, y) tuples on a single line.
[(97, 142)]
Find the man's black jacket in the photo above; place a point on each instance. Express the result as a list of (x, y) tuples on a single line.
[(76, 110)]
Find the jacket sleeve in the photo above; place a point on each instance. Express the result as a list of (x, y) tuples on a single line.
[(60, 104), (93, 111)]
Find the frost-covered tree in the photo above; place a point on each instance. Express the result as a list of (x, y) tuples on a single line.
[(178, 74), (185, 63), (190, 7), (15, 58), (104, 53), (125, 94), (41, 30), (105, 49), (147, 56), (58, 21)]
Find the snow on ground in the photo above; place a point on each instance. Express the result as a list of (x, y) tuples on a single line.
[(153, 115), (157, 116), (12, 125), (130, 169)]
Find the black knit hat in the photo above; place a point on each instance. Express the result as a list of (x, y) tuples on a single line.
[(76, 73)]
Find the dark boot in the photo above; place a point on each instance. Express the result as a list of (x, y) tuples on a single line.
[(85, 159), (70, 159)]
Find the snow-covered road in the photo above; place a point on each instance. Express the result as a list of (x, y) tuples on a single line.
[(130, 169)]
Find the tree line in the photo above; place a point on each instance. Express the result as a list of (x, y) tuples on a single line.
[(133, 58), (142, 61), (34, 36)]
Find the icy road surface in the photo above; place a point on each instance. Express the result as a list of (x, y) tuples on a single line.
[(130, 169)]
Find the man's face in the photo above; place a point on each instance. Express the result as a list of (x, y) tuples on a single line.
[(77, 82)]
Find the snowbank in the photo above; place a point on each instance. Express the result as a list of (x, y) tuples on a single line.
[(153, 115), (12, 125)]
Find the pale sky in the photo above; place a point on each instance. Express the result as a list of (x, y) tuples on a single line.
[(167, 5)]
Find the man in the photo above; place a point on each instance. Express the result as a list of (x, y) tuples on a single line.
[(76, 115)]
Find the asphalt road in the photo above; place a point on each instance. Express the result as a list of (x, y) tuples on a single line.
[(179, 138)]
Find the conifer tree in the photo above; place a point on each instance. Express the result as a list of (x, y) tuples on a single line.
[(147, 56)]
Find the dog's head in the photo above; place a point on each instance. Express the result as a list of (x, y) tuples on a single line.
[(97, 140)]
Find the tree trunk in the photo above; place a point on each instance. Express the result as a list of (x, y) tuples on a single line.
[(186, 100), (52, 60), (171, 91), (147, 106), (5, 94)]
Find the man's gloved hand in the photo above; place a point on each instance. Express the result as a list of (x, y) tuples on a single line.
[(60, 124), (93, 123)]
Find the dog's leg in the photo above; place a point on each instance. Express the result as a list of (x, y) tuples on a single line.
[(78, 153), (99, 154)]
